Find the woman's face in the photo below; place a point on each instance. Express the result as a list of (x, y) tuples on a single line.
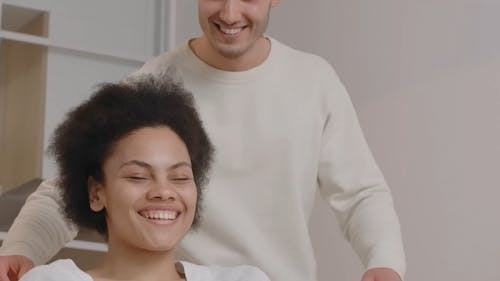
[(148, 190)]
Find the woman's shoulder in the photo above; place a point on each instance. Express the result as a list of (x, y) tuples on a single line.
[(196, 272), (59, 270)]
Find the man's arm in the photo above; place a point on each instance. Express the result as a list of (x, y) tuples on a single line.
[(40, 230), (354, 187)]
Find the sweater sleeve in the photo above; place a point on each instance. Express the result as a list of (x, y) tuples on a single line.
[(40, 230), (351, 182)]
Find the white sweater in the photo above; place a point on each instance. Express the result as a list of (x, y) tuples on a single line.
[(282, 131)]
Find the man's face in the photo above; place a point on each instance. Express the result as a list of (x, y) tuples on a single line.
[(232, 27)]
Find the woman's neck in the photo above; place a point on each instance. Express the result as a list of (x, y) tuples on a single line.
[(127, 263)]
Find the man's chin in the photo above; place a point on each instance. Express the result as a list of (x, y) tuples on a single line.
[(230, 51)]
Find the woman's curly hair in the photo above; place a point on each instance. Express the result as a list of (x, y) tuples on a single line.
[(87, 137)]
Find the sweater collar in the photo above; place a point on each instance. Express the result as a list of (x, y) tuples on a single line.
[(196, 65)]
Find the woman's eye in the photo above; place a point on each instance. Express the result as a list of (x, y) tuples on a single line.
[(181, 179), (136, 178)]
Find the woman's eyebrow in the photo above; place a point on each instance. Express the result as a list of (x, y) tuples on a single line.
[(180, 164), (136, 162), (148, 166)]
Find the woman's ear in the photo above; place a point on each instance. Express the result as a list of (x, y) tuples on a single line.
[(96, 195)]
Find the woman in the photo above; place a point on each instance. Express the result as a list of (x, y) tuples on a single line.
[(138, 152)]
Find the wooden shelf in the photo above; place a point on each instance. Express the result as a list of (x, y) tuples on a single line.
[(23, 70), (46, 42)]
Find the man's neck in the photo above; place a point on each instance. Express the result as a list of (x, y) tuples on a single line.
[(255, 56)]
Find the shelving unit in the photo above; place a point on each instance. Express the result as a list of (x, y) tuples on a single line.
[(22, 94), (52, 54)]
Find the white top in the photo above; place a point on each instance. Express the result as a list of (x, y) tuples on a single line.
[(282, 131), (66, 270)]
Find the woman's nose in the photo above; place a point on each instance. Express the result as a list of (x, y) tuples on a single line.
[(161, 190)]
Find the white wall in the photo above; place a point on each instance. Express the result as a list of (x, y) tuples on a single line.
[(425, 79), (111, 26)]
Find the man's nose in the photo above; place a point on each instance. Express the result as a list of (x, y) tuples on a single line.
[(230, 11)]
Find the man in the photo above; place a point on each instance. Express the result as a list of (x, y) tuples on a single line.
[(283, 127)]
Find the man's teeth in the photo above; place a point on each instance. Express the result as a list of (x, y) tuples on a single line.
[(231, 31), (160, 215)]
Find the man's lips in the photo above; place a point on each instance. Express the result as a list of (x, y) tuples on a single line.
[(229, 30)]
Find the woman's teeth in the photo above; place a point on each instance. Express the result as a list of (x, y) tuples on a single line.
[(160, 215)]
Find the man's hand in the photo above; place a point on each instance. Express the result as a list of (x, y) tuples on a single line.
[(13, 267), (379, 274)]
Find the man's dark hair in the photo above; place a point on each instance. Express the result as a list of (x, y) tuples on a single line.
[(87, 137)]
